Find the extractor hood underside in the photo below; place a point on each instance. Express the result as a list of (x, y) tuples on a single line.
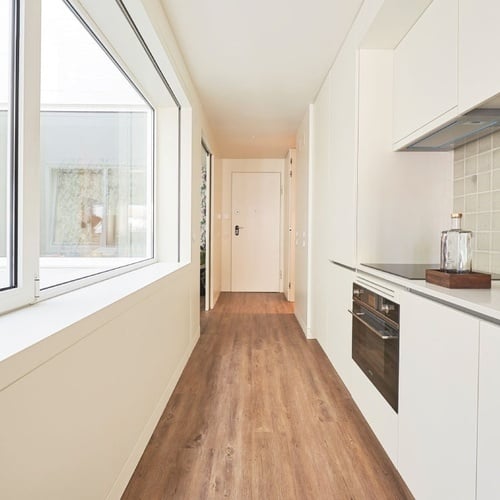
[(464, 129)]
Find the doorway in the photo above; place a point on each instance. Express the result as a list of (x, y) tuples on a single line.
[(255, 226), (205, 227)]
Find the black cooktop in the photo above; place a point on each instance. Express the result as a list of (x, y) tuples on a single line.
[(411, 271)]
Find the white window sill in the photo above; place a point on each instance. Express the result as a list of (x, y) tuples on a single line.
[(23, 331)]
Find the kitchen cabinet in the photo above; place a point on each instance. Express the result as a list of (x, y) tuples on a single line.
[(438, 380), (488, 458), (425, 73), (343, 162), (378, 413), (338, 343), (479, 39)]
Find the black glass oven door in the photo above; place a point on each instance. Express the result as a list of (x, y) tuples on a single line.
[(375, 349)]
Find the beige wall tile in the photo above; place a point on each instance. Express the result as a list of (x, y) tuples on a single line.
[(495, 221), (470, 184), (495, 179), (481, 261), (484, 182), (484, 162), (471, 149), (459, 153), (483, 222), (483, 202), (495, 241), (485, 144), (469, 222), (496, 140), (496, 158), (459, 204), (495, 263), (458, 169), (476, 191), (495, 204), (483, 241), (471, 165), (471, 203)]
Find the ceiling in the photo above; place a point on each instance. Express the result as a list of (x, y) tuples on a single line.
[(258, 64)]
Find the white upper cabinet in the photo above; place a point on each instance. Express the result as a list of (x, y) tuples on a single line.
[(479, 40), (425, 73), (438, 391)]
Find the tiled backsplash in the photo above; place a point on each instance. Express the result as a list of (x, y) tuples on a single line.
[(476, 191)]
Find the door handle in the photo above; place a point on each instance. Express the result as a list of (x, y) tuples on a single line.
[(237, 229)]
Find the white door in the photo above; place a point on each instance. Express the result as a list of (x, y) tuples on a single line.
[(256, 210)]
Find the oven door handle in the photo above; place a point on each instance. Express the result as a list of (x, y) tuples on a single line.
[(370, 327)]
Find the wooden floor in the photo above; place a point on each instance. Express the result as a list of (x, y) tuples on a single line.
[(259, 413)]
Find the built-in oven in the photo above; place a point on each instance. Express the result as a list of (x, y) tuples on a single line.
[(375, 340)]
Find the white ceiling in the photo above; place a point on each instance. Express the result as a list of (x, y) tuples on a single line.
[(258, 64)]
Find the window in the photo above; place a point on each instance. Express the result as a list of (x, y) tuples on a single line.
[(78, 155), (8, 144), (96, 153)]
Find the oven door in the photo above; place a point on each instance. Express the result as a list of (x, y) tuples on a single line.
[(375, 349)]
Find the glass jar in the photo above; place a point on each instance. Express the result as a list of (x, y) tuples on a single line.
[(456, 247)]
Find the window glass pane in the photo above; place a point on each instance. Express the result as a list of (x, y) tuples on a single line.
[(6, 212), (96, 154)]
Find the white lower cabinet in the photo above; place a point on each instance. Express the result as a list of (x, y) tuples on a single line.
[(338, 345), (438, 394), (488, 436)]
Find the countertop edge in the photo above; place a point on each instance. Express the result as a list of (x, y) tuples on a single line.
[(482, 303)]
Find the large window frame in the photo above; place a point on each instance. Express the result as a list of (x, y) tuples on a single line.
[(165, 248)]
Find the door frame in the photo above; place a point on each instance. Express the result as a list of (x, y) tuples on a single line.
[(289, 227), (208, 230)]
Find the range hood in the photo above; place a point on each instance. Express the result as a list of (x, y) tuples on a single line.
[(461, 130)]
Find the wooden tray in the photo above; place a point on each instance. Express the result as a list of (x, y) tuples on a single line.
[(458, 280)]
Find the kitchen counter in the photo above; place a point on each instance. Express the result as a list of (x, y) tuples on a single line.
[(483, 303)]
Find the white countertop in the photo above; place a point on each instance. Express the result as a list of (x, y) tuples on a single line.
[(484, 303)]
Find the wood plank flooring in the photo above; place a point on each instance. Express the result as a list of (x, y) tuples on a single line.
[(260, 414)]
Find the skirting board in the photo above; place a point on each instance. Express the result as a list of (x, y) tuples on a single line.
[(128, 469), (305, 330)]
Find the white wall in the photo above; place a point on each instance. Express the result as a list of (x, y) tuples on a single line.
[(404, 199), (79, 421), (75, 424), (228, 167), (302, 214)]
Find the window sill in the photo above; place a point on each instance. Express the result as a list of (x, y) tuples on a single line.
[(32, 335)]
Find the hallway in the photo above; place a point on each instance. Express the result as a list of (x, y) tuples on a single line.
[(259, 413)]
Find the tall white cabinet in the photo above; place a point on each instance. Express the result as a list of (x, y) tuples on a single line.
[(343, 85), (438, 384)]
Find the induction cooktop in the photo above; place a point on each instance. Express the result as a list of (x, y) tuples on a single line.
[(410, 271)]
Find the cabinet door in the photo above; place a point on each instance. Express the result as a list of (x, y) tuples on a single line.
[(438, 377), (479, 39), (338, 344), (343, 149), (488, 435), (425, 70)]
